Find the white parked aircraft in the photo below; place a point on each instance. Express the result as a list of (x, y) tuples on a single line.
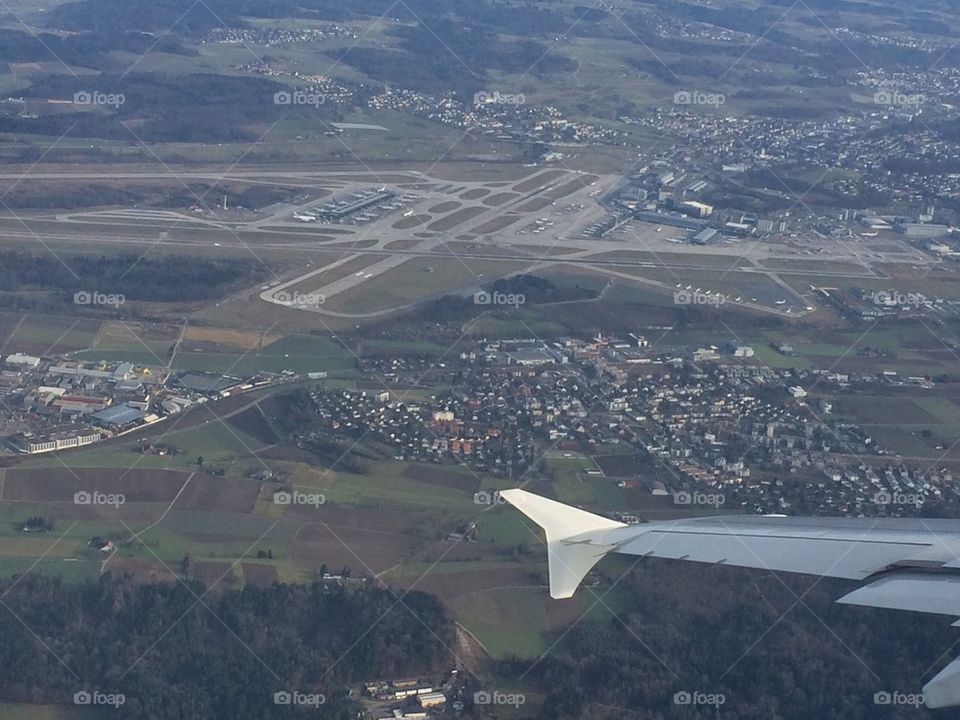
[(904, 564)]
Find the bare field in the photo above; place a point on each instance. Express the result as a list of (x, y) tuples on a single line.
[(230, 338), (139, 485), (223, 494), (363, 550), (58, 484), (258, 574)]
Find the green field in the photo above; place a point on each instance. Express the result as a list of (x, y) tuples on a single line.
[(49, 334), (9, 711), (417, 279), (296, 353)]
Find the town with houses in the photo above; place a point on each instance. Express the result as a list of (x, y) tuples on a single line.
[(677, 424), (674, 423)]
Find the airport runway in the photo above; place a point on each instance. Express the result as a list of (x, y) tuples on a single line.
[(547, 210)]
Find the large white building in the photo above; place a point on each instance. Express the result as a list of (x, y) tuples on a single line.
[(21, 360)]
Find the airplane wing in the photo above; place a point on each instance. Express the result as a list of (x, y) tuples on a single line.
[(905, 564)]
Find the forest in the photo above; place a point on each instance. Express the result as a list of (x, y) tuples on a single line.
[(175, 651), (150, 279), (776, 646)]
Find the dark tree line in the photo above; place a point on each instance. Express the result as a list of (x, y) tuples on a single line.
[(159, 279), (194, 107), (89, 49), (172, 657), (741, 633)]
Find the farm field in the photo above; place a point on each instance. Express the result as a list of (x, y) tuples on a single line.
[(47, 334)]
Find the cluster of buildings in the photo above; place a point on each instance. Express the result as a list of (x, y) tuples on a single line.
[(931, 84), (415, 699), (892, 122), (506, 117), (693, 419), (751, 435), (359, 207), (460, 430), (870, 305), (311, 89), (667, 195), (673, 27), (268, 36), (905, 40), (509, 120), (887, 156), (55, 403)]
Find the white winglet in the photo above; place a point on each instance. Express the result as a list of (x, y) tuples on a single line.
[(570, 556), (944, 689), (891, 554)]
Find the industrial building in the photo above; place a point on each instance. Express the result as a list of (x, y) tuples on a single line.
[(119, 416), (697, 209), (62, 438), (671, 219), (339, 211), (922, 230), (20, 360), (706, 236)]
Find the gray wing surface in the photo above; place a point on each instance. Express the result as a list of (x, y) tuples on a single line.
[(829, 547), (905, 564)]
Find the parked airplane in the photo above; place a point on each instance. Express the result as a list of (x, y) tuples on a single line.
[(904, 563)]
